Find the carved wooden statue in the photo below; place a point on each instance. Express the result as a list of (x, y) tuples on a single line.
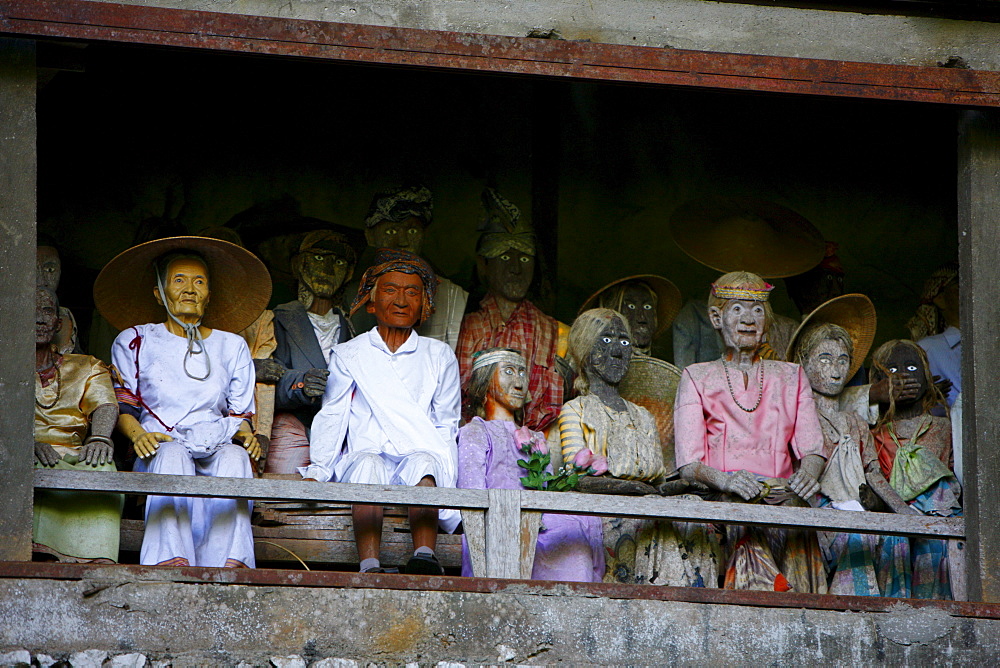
[(398, 219), (568, 547), (75, 413), (395, 396), (909, 465), (599, 420), (747, 428), (185, 385), (48, 272), (506, 317), (305, 331)]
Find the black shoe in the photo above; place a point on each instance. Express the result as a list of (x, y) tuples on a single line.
[(423, 564)]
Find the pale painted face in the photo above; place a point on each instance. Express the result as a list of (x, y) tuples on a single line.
[(742, 323), (509, 387), (186, 289), (405, 235), (827, 367), (612, 352)]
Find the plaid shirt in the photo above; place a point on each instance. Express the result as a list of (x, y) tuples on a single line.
[(528, 330)]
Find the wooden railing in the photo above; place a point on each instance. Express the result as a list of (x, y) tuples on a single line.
[(501, 525)]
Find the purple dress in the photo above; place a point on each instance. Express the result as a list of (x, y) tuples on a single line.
[(570, 547)]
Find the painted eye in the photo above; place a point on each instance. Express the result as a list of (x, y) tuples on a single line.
[(340, 262), (892, 369), (392, 231), (626, 342), (318, 258), (606, 339), (647, 307), (522, 373), (509, 371), (505, 258), (911, 368), (632, 306), (412, 231), (525, 259)]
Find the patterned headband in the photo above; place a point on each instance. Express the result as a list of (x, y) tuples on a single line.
[(479, 360), (747, 294)]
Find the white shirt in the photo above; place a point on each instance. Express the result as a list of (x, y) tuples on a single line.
[(327, 330), (423, 371), (197, 411), (449, 309)]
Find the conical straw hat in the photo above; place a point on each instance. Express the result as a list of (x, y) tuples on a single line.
[(668, 298), (239, 285), (853, 312), (747, 234)]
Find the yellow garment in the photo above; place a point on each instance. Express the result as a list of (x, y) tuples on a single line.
[(629, 439), (82, 384), (77, 524)]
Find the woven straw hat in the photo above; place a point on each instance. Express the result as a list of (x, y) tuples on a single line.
[(747, 234), (853, 312), (668, 298), (239, 284), (652, 384)]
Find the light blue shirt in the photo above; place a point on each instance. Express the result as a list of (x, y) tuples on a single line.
[(944, 351)]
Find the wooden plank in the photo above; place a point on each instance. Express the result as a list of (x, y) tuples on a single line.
[(88, 20), (18, 84), (979, 278), (742, 513), (531, 520), (474, 525), (503, 532), (257, 488)]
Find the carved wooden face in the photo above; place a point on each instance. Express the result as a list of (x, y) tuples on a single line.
[(46, 317), (509, 274), (48, 267), (742, 323), (397, 300), (905, 360), (406, 235), (509, 387), (323, 272), (827, 367), (639, 307), (186, 289), (612, 352)]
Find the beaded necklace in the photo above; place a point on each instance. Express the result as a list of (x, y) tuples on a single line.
[(760, 384), (56, 381)]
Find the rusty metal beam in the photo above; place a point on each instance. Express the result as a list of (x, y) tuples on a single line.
[(102, 576), (99, 21)]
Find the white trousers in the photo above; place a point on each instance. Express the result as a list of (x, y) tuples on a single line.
[(204, 532)]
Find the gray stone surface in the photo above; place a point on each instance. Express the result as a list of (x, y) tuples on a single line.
[(133, 660), (17, 657), (90, 658), (225, 624), (680, 24)]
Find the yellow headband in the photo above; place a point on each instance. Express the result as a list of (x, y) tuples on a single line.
[(748, 294)]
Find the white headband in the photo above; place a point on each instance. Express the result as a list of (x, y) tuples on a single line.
[(495, 357)]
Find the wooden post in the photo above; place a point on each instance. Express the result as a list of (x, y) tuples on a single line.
[(17, 293), (979, 239), (474, 525), (503, 533)]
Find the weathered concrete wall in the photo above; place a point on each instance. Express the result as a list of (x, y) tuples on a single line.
[(680, 24), (224, 624)]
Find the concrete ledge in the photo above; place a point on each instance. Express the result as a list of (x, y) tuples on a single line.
[(398, 619)]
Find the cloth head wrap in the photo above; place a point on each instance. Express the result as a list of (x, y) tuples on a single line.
[(386, 260), (928, 320), (400, 204), (328, 242), (487, 357), (737, 292), (503, 228)]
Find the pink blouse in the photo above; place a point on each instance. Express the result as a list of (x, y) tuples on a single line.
[(710, 428)]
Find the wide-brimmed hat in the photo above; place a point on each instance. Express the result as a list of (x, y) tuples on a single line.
[(668, 298), (853, 312), (747, 234), (239, 284)]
